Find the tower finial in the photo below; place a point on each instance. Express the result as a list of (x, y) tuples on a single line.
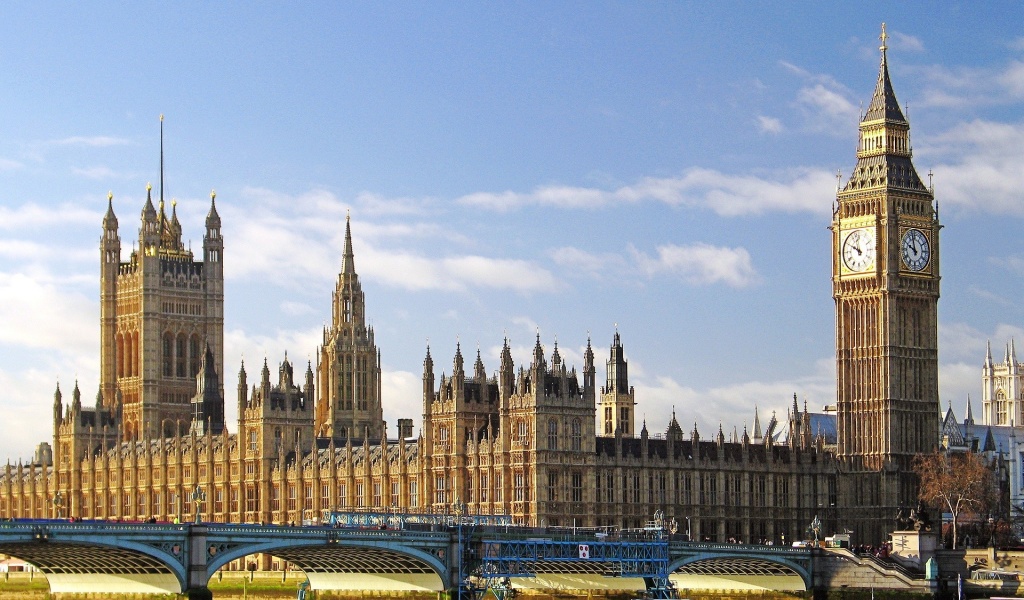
[(883, 37)]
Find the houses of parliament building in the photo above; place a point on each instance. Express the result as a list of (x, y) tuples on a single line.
[(540, 440)]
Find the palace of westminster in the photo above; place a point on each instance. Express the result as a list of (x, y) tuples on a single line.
[(538, 441)]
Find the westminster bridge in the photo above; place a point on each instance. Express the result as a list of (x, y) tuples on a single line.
[(464, 555)]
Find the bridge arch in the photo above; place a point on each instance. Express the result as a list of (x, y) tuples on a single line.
[(92, 565), (380, 565), (741, 565)]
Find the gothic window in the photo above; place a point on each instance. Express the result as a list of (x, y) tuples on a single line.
[(523, 431), (414, 494), (577, 486), (518, 487), (440, 491), (552, 487), (483, 488), (194, 355), (179, 357), (1001, 408), (252, 440), (377, 497), (552, 434), (360, 494), (342, 495), (577, 435), (608, 421), (624, 420), (119, 355), (395, 493)]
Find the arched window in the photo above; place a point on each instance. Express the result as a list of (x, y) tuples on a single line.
[(552, 434), (179, 356), (168, 355), (194, 355), (119, 355), (577, 435)]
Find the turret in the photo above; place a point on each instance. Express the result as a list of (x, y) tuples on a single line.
[(589, 375), (243, 389), (58, 408), (506, 373), (149, 231), (308, 388)]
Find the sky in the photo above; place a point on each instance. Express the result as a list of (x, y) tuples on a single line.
[(664, 170)]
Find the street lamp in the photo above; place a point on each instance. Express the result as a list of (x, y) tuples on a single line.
[(198, 497), (689, 538)]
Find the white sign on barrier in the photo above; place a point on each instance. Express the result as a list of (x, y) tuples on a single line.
[(585, 551)]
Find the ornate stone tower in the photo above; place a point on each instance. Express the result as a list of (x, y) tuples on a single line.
[(885, 282), (158, 312), (348, 373), (617, 400)]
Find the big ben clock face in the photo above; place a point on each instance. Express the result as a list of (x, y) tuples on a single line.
[(915, 250), (859, 249)]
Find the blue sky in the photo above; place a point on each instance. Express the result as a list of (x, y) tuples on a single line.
[(664, 168)]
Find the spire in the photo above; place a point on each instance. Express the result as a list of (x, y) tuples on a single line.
[(479, 372), (1013, 353), (212, 218), (988, 354), (348, 264), (109, 219), (148, 211), (757, 425), (883, 101), (970, 412)]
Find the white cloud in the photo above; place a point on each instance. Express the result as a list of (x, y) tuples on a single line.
[(769, 124), (827, 110), (96, 141), (7, 164), (903, 41), (824, 102), (701, 264), (301, 239), (797, 190), (296, 308), (597, 266), (731, 406), (99, 173), (32, 215), (67, 325), (984, 168)]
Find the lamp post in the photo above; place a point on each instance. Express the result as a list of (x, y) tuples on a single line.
[(198, 497), (58, 504), (689, 538)]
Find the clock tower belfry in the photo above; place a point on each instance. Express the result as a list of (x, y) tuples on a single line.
[(885, 282)]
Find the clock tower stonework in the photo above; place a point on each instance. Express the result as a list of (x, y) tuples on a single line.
[(885, 282)]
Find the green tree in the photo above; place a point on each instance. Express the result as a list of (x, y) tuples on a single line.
[(958, 483)]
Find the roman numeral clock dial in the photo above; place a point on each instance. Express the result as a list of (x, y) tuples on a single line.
[(915, 250), (859, 250)]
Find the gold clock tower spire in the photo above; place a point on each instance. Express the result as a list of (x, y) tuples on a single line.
[(885, 282)]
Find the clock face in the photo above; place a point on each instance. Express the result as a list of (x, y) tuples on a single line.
[(915, 250), (859, 250)]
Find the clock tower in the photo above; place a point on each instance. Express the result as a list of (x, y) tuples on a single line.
[(885, 282)]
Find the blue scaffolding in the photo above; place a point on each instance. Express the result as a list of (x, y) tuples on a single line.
[(502, 559)]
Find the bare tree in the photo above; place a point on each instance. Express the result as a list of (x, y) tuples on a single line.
[(958, 483)]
